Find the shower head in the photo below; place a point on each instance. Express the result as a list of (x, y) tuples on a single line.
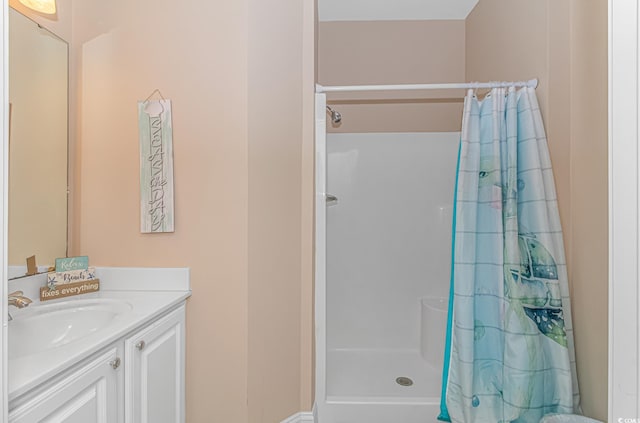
[(336, 117)]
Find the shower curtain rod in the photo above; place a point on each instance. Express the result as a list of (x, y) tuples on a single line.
[(533, 83)]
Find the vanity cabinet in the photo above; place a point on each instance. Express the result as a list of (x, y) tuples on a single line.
[(90, 394), (138, 379), (154, 359)]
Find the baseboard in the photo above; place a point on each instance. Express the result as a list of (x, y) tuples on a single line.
[(300, 418)]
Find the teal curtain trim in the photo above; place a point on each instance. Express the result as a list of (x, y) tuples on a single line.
[(444, 412)]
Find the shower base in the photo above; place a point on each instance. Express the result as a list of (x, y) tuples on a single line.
[(362, 387), (370, 375)]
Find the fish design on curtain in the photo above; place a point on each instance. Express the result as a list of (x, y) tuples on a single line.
[(537, 280), (509, 352)]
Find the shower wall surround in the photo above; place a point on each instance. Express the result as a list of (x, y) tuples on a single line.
[(389, 235), (388, 248)]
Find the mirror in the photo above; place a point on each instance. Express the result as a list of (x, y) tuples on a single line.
[(38, 142)]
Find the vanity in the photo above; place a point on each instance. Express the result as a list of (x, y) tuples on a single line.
[(116, 355)]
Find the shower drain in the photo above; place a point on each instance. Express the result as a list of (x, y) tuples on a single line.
[(404, 381)]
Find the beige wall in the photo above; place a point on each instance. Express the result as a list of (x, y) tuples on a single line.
[(537, 47), (196, 55), (280, 115), (589, 200), (393, 52), (241, 124), (564, 45)]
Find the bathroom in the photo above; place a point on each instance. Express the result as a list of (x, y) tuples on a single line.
[(241, 77), (374, 280)]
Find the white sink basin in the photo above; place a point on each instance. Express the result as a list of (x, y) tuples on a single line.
[(42, 327)]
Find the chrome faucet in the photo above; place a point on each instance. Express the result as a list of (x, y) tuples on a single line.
[(18, 300)]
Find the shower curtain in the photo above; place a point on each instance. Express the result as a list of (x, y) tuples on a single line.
[(509, 350)]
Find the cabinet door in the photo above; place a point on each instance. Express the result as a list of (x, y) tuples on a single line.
[(88, 395), (154, 384)]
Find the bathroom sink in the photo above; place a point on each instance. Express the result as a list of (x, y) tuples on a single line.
[(44, 327)]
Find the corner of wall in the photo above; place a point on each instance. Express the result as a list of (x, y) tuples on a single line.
[(309, 78)]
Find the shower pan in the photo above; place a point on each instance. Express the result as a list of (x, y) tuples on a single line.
[(383, 247)]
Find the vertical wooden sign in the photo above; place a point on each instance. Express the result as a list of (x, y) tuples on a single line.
[(156, 166)]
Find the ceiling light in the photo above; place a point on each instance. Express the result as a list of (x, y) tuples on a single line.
[(42, 6)]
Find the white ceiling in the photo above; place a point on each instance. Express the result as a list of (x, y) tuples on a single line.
[(386, 10)]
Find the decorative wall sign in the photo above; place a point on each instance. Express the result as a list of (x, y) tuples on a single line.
[(156, 166)]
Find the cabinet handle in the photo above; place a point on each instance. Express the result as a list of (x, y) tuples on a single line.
[(115, 363), (140, 345)]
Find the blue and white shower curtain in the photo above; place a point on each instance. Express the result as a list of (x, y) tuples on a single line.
[(509, 352)]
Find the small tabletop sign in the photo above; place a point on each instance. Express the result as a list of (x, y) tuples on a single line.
[(69, 289), (72, 263)]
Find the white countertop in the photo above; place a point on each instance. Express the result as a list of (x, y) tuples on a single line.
[(30, 371)]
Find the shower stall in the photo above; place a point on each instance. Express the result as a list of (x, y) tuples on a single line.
[(383, 248)]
